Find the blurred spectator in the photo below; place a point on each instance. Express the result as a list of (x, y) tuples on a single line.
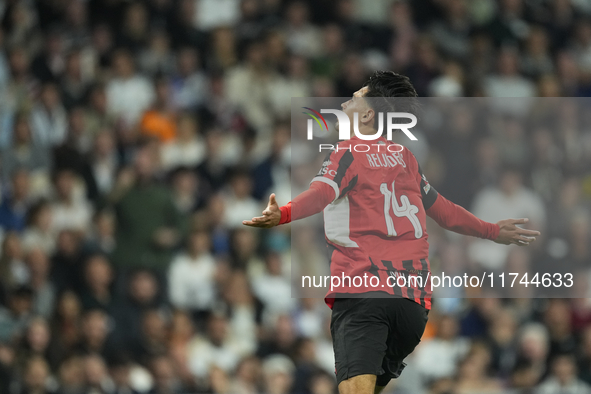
[(511, 198), (239, 201), (13, 268), (142, 239), (36, 377), (15, 317), (439, 356), (191, 275), (273, 287), (141, 295), (49, 119), (24, 153), (563, 378), (39, 232), (128, 93), (278, 374), (166, 380), (14, 205), (157, 57), (216, 349), (39, 266), (70, 210), (67, 262), (187, 148), (508, 82), (104, 162), (98, 279), (159, 121), (189, 84)]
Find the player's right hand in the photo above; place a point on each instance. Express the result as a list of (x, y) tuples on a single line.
[(511, 234), (271, 215)]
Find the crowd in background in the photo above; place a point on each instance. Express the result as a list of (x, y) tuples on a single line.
[(135, 137)]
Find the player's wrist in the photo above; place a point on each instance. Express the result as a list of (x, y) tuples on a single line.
[(285, 214)]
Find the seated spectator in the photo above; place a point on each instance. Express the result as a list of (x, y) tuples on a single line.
[(142, 294), (166, 379), (244, 312), (563, 378), (48, 118), (36, 377), (239, 201), (24, 152), (97, 375), (189, 84), (187, 194), (70, 376), (39, 266), (95, 338), (128, 94), (438, 357), (120, 369), (159, 121), (511, 198), (67, 262), (247, 377), (278, 374), (473, 373), (216, 349), (102, 235), (273, 288), (39, 231), (187, 149), (191, 276), (153, 339), (508, 82), (181, 333), (103, 163), (65, 326), (157, 57), (280, 339), (98, 280), (70, 209), (35, 342), (17, 313), (14, 205)]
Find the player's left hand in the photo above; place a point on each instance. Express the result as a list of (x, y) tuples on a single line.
[(510, 233), (271, 215)]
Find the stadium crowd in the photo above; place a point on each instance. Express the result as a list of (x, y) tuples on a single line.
[(135, 137)]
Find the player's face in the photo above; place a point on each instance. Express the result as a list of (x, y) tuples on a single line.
[(356, 104)]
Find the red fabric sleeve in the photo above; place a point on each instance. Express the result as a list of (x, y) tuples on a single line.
[(455, 218), (310, 202)]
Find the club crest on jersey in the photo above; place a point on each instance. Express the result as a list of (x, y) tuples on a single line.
[(427, 187)]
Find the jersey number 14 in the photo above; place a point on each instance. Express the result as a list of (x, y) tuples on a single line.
[(404, 209)]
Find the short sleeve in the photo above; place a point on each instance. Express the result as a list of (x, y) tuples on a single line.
[(428, 192), (338, 172)]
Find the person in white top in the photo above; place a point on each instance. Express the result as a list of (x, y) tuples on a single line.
[(191, 275), (128, 94)]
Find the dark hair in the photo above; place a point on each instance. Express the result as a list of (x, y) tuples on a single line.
[(382, 86), (389, 84)]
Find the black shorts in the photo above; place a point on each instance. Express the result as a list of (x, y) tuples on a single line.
[(374, 335)]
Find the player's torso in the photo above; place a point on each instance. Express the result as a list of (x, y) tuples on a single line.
[(382, 214)]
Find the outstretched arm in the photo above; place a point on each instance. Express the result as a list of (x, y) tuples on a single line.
[(308, 203), (455, 218)]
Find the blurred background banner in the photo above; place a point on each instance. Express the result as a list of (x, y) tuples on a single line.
[(494, 157), (135, 136)]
